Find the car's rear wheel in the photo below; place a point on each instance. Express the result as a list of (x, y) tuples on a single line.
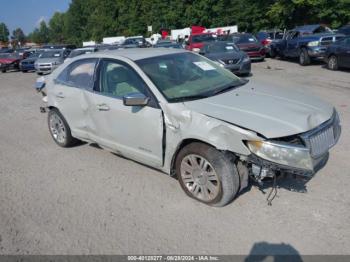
[(332, 63), (272, 53), (59, 129), (207, 174), (4, 70), (304, 58)]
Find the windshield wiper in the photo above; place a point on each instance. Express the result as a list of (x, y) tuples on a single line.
[(229, 87), (187, 98)]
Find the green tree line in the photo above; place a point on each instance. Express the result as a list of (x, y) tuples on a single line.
[(95, 19)]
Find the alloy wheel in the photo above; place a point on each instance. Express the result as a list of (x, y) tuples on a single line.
[(199, 177), (57, 128), (332, 63)]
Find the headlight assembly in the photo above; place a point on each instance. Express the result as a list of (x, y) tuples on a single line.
[(284, 154), (246, 59), (313, 43)]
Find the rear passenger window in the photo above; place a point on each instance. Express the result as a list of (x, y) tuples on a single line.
[(79, 74)]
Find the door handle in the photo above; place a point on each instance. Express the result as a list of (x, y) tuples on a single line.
[(60, 95), (103, 107)]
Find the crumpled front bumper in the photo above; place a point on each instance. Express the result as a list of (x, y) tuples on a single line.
[(318, 141)]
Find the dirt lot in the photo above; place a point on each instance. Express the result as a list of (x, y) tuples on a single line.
[(85, 200)]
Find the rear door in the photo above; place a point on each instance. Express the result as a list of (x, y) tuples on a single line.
[(69, 96), (133, 131), (292, 44)]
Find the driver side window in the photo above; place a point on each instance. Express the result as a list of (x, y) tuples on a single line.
[(118, 80)]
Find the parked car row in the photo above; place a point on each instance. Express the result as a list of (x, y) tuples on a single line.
[(313, 42)]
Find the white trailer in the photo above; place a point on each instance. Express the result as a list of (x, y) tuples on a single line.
[(113, 40)]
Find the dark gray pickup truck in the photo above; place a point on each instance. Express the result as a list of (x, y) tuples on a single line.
[(305, 42)]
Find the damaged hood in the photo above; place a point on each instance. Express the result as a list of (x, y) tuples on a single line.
[(271, 111)]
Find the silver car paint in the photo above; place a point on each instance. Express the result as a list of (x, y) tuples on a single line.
[(214, 120), (270, 111)]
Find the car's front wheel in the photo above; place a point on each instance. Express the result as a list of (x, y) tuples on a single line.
[(207, 174), (59, 129), (332, 63), (304, 58)]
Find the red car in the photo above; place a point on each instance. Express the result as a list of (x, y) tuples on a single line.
[(196, 41), (249, 44), (9, 61)]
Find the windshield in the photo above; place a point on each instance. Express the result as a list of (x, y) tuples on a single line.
[(244, 39), (51, 54), (187, 76), (34, 55), (10, 55), (221, 48), (202, 38)]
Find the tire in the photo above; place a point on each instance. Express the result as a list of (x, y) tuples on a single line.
[(59, 129), (272, 53), (332, 63), (24, 71), (304, 58), (207, 175), (40, 74), (4, 70)]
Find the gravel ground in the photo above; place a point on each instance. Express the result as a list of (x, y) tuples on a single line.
[(85, 200)]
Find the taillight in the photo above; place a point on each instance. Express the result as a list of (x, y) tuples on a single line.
[(266, 42)]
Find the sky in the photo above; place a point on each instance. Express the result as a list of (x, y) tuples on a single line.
[(27, 14)]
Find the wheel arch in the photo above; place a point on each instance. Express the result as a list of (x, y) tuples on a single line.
[(183, 144)]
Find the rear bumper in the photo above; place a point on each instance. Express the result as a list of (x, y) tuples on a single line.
[(256, 55)]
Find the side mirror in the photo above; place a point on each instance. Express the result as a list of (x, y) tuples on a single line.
[(135, 99)]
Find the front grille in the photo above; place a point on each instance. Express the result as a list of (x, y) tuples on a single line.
[(322, 138), (231, 61), (322, 142)]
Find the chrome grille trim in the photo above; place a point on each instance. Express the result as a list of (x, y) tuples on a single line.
[(323, 137)]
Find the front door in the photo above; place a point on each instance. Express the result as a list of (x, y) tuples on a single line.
[(133, 131)]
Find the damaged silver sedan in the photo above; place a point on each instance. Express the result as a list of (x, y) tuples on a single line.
[(185, 115)]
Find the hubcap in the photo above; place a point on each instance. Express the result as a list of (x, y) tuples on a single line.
[(332, 62), (57, 128), (199, 177)]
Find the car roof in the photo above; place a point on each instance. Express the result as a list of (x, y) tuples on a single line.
[(137, 53), (308, 28)]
